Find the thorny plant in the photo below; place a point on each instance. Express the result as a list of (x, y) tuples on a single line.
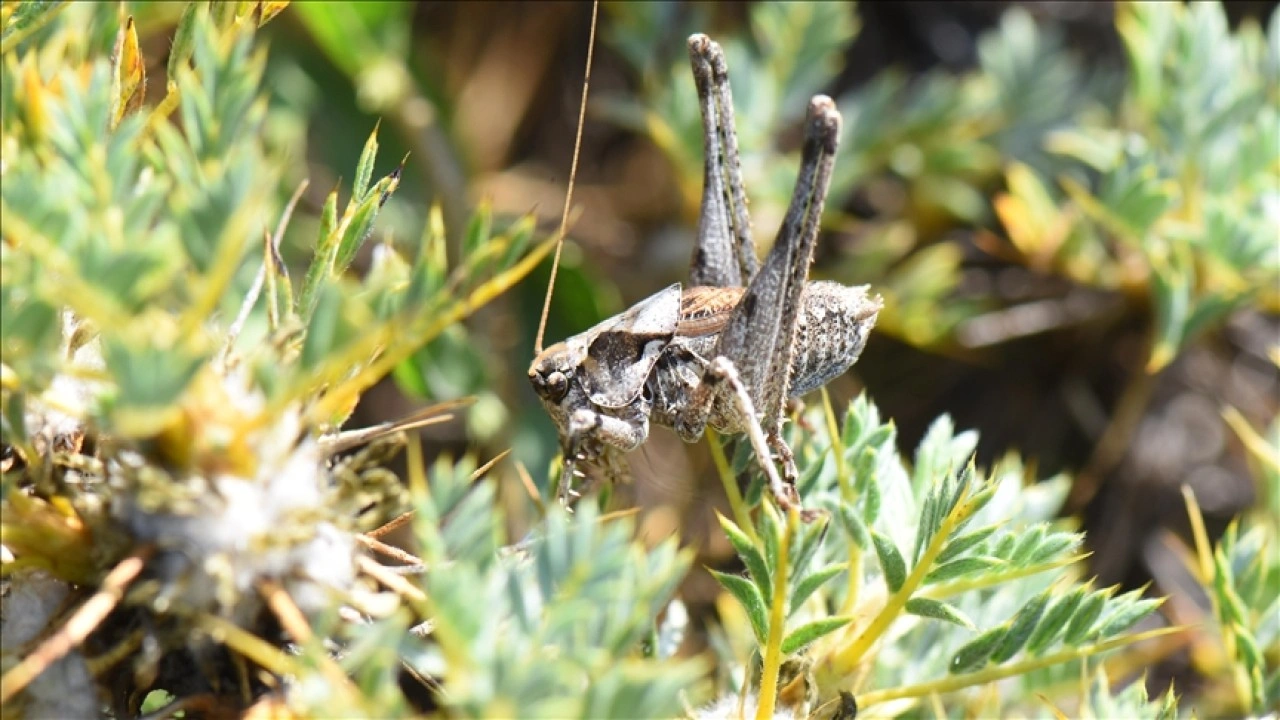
[(176, 492)]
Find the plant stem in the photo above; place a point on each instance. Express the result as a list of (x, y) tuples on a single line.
[(844, 660), (777, 623), (988, 675), (741, 515)]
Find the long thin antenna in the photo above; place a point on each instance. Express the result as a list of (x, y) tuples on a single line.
[(573, 174)]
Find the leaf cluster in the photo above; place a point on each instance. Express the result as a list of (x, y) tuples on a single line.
[(933, 579)]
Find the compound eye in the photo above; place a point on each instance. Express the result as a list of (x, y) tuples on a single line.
[(557, 386)]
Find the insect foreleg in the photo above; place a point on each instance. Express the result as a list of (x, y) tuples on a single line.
[(588, 431)]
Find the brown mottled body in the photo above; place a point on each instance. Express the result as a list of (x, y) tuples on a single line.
[(831, 331), (728, 351)]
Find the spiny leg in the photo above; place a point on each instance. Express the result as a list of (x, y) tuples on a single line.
[(784, 492), (790, 265), (757, 339), (725, 255), (590, 426)]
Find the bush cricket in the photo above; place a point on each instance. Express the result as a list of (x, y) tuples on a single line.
[(729, 349)]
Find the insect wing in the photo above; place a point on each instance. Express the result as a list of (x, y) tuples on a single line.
[(625, 349)]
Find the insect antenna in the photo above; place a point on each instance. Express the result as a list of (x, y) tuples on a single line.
[(573, 174)]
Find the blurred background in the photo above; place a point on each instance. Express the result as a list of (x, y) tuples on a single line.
[(1070, 209)]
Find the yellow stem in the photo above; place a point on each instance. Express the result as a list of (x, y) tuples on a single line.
[(741, 515), (845, 660), (777, 624), (243, 642), (988, 675), (846, 494), (959, 587)]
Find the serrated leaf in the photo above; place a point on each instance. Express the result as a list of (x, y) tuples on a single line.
[(938, 610), (750, 554), (891, 562), (1020, 630), (747, 595), (809, 632), (974, 654), (812, 582)]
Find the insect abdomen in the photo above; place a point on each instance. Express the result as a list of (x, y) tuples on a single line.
[(830, 333)]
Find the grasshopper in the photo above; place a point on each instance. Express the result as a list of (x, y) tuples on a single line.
[(732, 347)]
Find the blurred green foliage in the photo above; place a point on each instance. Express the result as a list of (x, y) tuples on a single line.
[(1165, 184)]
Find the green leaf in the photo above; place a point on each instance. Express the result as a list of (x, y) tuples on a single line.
[(358, 230), (479, 230), (748, 595), (809, 632), (327, 329), (812, 582), (1125, 616), (749, 553), (1054, 546), (1024, 623), (364, 169), (1083, 619), (15, 418), (938, 610), (973, 654), (852, 524), (149, 376), (1055, 619), (1028, 541), (26, 19), (521, 235), (960, 545), (322, 259), (963, 567), (891, 562), (770, 532)]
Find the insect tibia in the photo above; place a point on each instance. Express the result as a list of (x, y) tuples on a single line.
[(825, 119)]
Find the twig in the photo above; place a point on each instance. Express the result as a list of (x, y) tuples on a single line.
[(295, 623), (395, 582), (84, 621), (389, 550)]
